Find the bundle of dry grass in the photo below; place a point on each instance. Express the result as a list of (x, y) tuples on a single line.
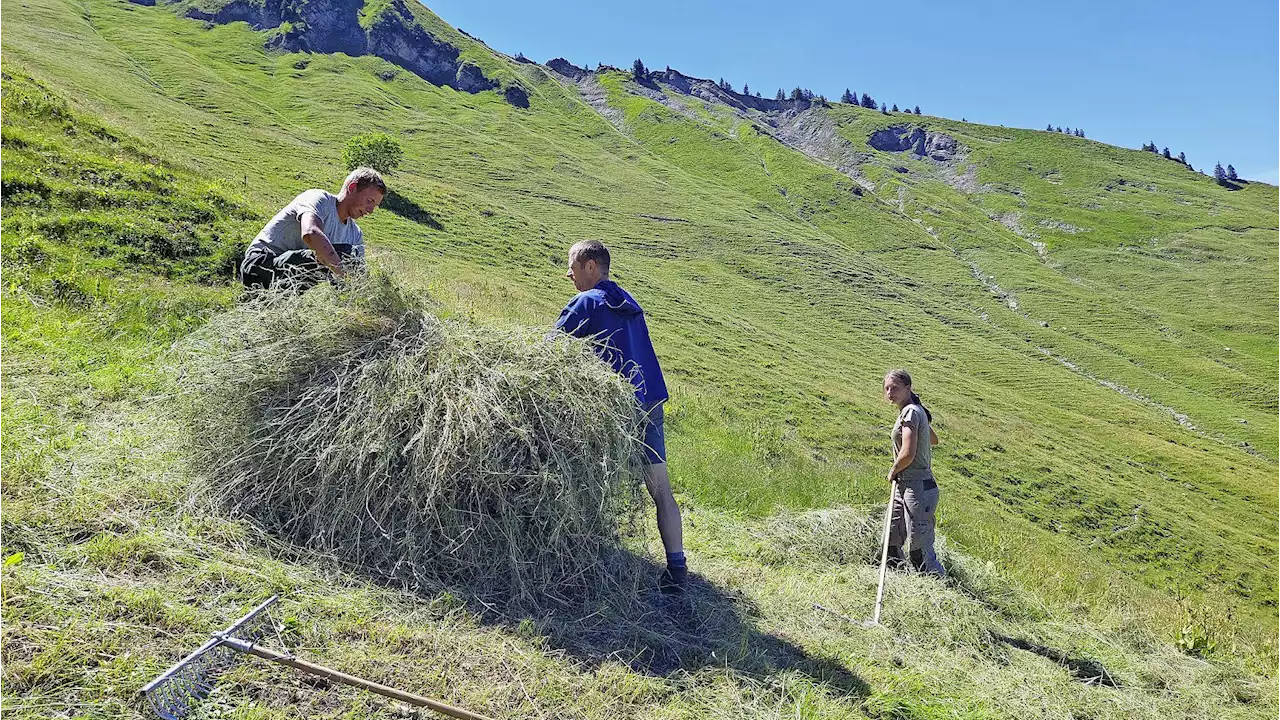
[(433, 452)]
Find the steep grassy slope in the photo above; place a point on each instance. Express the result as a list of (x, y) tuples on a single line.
[(1040, 310), (779, 290), (102, 240), (1140, 257)]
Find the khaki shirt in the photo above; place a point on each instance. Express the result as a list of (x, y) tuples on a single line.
[(921, 467)]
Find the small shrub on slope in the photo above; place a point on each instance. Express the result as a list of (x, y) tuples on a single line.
[(379, 151)]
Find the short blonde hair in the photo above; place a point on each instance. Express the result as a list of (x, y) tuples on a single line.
[(365, 177)]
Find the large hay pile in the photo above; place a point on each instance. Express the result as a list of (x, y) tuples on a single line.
[(432, 452)]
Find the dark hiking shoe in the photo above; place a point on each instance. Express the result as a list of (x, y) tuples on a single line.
[(917, 560), (896, 560), (672, 580)]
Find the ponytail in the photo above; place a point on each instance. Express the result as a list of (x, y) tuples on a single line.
[(916, 400)]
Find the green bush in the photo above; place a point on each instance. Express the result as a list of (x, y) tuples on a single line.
[(379, 151), (1199, 632)]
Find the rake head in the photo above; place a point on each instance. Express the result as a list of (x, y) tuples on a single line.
[(177, 689)]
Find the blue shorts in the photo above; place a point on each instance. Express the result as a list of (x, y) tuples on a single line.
[(655, 438)]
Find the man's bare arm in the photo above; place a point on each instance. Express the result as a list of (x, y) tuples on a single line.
[(313, 237)]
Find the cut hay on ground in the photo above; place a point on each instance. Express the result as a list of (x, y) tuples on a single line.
[(432, 452)]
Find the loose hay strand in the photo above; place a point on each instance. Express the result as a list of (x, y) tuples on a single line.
[(425, 451)]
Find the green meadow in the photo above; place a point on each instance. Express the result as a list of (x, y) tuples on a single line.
[(1093, 327)]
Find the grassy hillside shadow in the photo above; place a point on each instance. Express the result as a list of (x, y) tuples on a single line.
[(707, 626), (402, 206), (632, 623), (1082, 669)]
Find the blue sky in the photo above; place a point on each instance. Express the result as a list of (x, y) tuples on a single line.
[(1198, 77)]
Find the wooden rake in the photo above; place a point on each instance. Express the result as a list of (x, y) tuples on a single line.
[(884, 566), (175, 692)]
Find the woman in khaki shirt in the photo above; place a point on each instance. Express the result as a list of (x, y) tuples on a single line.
[(915, 501)]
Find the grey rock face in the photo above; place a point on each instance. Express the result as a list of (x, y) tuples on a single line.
[(941, 146), (677, 80), (566, 68), (470, 78), (516, 95), (333, 26), (891, 139), (709, 90), (899, 138), (416, 51), (919, 142)]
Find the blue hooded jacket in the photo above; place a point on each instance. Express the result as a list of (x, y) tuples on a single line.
[(612, 318)]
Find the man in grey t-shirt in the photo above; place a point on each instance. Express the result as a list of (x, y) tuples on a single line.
[(315, 236)]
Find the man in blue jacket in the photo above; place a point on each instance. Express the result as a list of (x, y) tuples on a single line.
[(608, 316)]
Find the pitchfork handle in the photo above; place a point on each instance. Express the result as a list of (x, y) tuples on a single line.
[(331, 674)]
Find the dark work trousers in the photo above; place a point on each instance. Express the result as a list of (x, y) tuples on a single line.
[(298, 270), (915, 505)]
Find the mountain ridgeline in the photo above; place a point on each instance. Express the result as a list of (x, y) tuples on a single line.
[(1094, 329)]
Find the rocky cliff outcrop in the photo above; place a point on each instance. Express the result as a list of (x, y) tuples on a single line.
[(333, 26), (701, 88), (899, 138), (567, 69), (712, 92)]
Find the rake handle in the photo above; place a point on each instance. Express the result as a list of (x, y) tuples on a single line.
[(884, 550), (352, 680)]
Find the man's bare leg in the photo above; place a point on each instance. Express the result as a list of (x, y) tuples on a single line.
[(669, 527)]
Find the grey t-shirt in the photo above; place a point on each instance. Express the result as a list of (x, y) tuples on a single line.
[(284, 231), (920, 468)]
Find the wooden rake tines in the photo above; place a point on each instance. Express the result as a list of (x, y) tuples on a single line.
[(174, 693)]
